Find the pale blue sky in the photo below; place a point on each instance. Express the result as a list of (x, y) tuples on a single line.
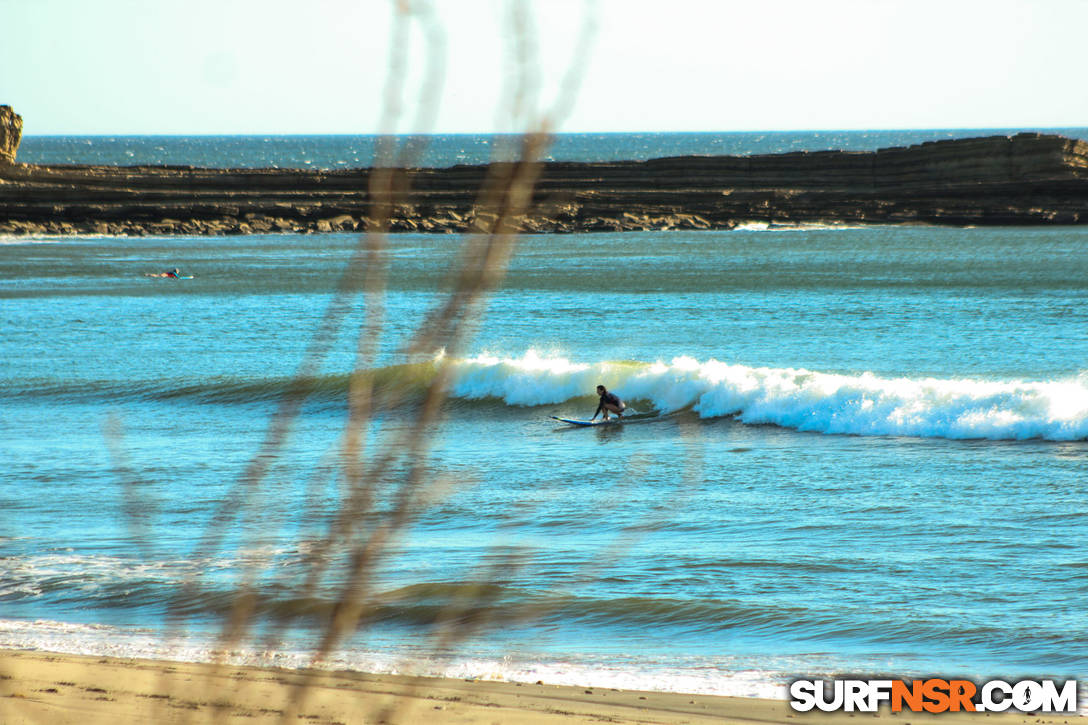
[(318, 66)]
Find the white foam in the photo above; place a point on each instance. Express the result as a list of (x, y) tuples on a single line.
[(755, 226), (697, 676), (528, 380), (30, 239), (721, 675), (94, 574), (708, 678), (861, 404)]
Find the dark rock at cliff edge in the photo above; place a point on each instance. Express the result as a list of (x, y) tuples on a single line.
[(11, 131), (1023, 179)]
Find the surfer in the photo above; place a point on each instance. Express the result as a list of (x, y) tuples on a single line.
[(610, 403), (175, 273)]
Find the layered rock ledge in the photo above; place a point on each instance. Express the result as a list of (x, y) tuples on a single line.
[(11, 131), (998, 180)]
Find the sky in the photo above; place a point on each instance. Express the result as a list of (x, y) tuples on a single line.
[(323, 66)]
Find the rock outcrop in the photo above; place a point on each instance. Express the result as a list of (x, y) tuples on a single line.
[(11, 131), (1022, 179)]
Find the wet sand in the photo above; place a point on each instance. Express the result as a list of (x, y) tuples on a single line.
[(40, 687)]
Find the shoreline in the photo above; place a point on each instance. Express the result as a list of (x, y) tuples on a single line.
[(38, 686), (1025, 179)]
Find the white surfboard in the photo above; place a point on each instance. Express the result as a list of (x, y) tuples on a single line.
[(574, 421)]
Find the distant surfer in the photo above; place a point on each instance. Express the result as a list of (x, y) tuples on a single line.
[(610, 403), (175, 273)]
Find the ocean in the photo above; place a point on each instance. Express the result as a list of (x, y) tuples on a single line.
[(851, 450), (340, 152)]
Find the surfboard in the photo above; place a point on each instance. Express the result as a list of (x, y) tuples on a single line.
[(574, 421)]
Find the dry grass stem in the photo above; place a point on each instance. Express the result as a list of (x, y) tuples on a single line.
[(383, 475)]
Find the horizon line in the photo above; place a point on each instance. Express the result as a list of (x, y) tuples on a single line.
[(233, 134)]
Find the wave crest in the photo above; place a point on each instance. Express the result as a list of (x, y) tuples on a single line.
[(805, 400), (862, 404)]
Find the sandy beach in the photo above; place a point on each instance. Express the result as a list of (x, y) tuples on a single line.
[(40, 687)]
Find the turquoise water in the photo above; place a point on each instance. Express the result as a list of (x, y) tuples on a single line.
[(854, 450), (861, 450)]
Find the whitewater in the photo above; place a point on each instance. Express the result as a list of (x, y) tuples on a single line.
[(800, 399)]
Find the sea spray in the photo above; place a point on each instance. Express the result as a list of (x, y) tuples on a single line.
[(852, 404), (528, 380), (795, 398)]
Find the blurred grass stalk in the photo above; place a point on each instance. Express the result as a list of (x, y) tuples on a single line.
[(377, 466)]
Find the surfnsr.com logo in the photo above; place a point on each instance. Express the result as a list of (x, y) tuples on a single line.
[(934, 695)]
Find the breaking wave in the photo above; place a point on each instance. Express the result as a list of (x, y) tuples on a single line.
[(805, 400), (861, 404)]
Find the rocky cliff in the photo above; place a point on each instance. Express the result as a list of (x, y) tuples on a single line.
[(11, 131), (1022, 179)]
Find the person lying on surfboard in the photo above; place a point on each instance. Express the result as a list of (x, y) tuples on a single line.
[(175, 273), (610, 403)]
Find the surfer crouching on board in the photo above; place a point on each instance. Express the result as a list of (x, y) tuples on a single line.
[(610, 403)]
